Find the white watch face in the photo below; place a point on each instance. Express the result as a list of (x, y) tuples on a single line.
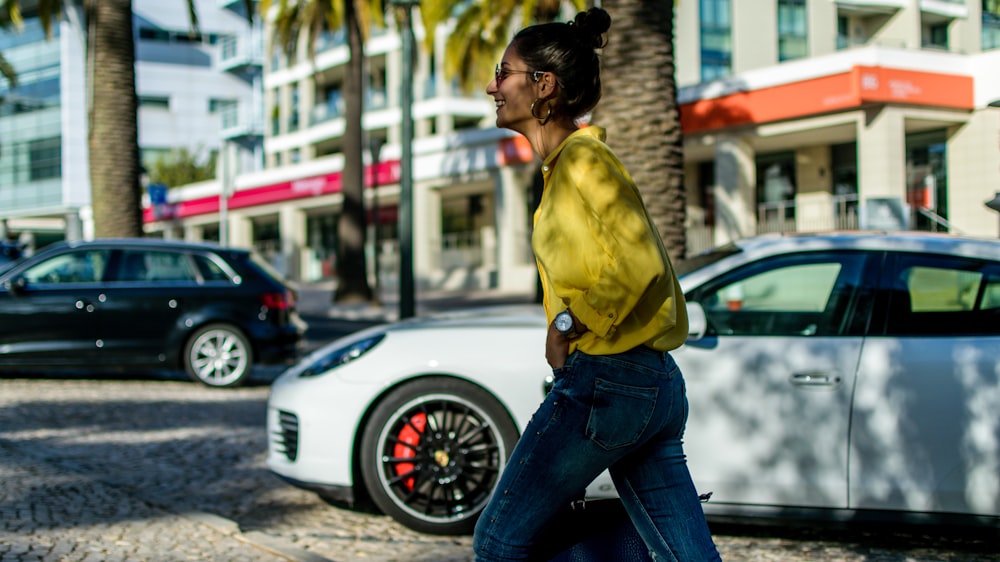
[(564, 322)]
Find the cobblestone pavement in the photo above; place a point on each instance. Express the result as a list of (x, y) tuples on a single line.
[(112, 469)]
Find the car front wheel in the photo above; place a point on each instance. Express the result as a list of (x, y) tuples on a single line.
[(218, 355), (433, 451)]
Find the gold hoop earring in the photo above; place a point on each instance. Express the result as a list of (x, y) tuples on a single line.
[(548, 114)]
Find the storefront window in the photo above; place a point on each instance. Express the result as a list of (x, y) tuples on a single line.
[(927, 179), (844, 171), (321, 238), (776, 192)]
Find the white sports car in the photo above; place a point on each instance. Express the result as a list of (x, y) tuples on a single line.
[(844, 375)]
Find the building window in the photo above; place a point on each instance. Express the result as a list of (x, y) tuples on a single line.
[(793, 39), (30, 32), (927, 179), (154, 102), (330, 105), (843, 33), (844, 171), (716, 39), (45, 157), (935, 36), (166, 36), (216, 105), (293, 116), (706, 190), (776, 187), (991, 24)]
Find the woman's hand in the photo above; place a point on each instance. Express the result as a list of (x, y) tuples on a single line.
[(556, 347), (557, 344)]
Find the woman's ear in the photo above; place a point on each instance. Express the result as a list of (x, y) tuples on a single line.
[(547, 85)]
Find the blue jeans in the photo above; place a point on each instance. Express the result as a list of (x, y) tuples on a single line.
[(623, 412)]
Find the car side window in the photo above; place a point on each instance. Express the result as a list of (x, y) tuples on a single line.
[(82, 266), (141, 265), (132, 266), (943, 295), (210, 270), (808, 294), (171, 266)]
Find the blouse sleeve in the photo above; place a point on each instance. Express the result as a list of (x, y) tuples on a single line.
[(601, 251)]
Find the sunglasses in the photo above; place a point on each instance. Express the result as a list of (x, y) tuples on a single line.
[(502, 73)]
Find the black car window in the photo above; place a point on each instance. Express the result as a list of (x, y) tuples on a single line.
[(210, 270), (171, 266), (142, 265), (132, 266), (943, 295), (80, 266), (807, 294)]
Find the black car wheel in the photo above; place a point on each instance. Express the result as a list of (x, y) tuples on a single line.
[(433, 451), (218, 355)]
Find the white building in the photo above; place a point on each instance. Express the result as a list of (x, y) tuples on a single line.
[(798, 115), (182, 92)]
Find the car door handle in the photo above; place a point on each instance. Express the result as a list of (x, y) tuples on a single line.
[(814, 379)]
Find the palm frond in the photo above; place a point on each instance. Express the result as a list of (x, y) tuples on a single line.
[(49, 10), (10, 14), (192, 18), (7, 71)]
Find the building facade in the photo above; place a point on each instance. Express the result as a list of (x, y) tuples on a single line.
[(798, 115), (183, 95), (870, 114)]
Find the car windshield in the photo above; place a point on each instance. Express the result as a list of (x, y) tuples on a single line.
[(685, 266)]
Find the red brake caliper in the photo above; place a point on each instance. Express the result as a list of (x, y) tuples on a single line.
[(407, 448)]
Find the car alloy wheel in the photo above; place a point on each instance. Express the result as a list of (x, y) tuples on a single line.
[(433, 451), (218, 355)]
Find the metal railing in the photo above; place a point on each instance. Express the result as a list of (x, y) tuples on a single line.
[(839, 212)]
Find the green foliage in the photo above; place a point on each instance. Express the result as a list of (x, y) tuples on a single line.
[(289, 18), (181, 167), (482, 30)]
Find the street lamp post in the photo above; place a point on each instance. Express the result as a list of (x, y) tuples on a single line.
[(404, 20), (375, 146)]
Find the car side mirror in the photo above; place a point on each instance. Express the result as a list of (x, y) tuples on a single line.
[(16, 285), (697, 322)]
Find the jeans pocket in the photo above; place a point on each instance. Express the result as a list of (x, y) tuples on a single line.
[(619, 414)]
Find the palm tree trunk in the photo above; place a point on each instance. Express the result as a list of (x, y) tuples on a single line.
[(640, 111), (114, 138), (352, 270)]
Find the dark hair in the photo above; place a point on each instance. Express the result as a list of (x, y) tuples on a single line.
[(568, 50)]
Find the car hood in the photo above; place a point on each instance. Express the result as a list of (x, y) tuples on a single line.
[(510, 316)]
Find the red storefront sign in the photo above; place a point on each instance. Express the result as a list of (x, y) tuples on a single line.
[(387, 174)]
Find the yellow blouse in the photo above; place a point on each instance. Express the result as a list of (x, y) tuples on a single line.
[(600, 255)]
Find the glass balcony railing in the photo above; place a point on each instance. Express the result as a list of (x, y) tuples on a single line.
[(241, 51), (240, 120)]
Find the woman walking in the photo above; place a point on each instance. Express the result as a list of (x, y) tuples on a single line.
[(615, 310)]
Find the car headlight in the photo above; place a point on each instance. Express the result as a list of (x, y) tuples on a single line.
[(341, 355)]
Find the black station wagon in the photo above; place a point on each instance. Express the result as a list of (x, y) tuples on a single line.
[(136, 304)]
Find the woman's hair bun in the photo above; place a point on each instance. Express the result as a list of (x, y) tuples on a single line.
[(593, 24)]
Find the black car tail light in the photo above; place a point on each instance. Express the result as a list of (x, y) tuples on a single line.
[(278, 301)]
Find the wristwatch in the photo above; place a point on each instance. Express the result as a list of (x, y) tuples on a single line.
[(564, 324)]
